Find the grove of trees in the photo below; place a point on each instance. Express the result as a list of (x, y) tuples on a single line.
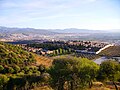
[(80, 73), (18, 69), (75, 72)]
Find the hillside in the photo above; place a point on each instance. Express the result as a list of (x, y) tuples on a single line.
[(43, 60), (11, 54), (20, 69), (111, 51)]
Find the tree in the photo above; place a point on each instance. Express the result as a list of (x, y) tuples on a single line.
[(76, 72), (1, 68), (64, 69), (57, 52), (26, 69), (109, 70), (3, 80), (16, 68), (87, 71), (10, 70), (60, 51), (41, 68)]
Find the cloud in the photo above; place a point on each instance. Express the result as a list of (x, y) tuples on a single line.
[(32, 10), (57, 13), (37, 4)]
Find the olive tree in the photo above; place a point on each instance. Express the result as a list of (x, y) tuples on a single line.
[(88, 71), (63, 70), (3, 81), (110, 70), (76, 72), (1, 68)]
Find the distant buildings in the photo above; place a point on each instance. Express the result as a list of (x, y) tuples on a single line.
[(89, 47), (39, 51)]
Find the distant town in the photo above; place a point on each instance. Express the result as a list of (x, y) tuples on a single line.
[(90, 47)]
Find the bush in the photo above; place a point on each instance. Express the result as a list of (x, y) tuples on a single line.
[(10, 70), (3, 80), (16, 68), (1, 68)]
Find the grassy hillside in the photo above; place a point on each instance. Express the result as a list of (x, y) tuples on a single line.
[(111, 51), (20, 69), (10, 54)]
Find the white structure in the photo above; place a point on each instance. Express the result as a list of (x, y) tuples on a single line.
[(109, 45)]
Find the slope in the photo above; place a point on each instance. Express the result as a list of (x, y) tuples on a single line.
[(111, 51), (11, 54)]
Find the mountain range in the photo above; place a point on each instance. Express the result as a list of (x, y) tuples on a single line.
[(7, 30), (70, 33)]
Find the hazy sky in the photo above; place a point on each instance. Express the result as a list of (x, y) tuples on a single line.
[(85, 14)]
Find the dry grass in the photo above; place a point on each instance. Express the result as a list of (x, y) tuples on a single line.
[(111, 51), (43, 88), (96, 86), (43, 60), (101, 86)]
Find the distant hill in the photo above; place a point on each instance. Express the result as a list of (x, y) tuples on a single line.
[(24, 33), (9, 34), (75, 30), (6, 30)]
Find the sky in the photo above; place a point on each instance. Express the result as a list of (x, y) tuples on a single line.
[(61, 14)]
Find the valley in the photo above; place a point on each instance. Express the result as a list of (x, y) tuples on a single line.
[(32, 59)]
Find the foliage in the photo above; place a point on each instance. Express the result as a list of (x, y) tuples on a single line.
[(88, 71), (1, 68), (11, 54), (3, 81), (18, 70), (110, 70), (77, 72), (10, 70)]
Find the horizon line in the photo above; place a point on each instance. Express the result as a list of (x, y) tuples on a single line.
[(61, 28)]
